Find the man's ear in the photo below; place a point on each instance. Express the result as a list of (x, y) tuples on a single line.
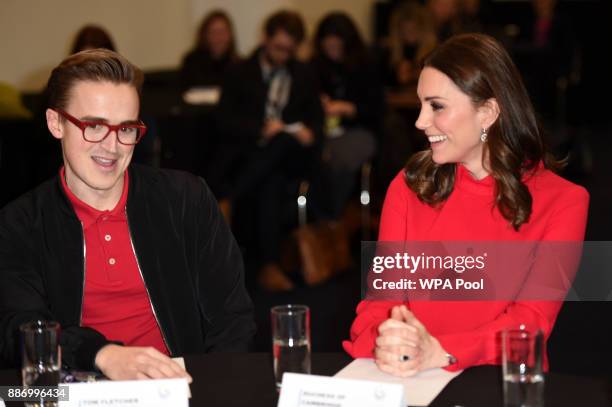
[(54, 123), (489, 112)]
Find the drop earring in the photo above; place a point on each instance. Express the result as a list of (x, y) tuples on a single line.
[(483, 135)]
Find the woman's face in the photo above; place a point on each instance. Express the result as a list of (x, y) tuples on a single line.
[(451, 122), (333, 47), (218, 37), (409, 32)]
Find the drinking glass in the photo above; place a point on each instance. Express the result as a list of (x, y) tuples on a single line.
[(290, 340), (41, 356), (522, 357)]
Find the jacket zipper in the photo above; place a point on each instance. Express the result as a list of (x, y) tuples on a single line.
[(161, 329), (84, 273)]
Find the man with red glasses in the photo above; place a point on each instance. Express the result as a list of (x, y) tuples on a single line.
[(135, 263)]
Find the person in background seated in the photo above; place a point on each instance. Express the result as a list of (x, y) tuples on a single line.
[(92, 37), (270, 119), (486, 176), (213, 53), (353, 102), (135, 263), (411, 36), (547, 54), (445, 16)]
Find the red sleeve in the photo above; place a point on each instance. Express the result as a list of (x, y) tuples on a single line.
[(395, 207), (370, 314), (483, 346)]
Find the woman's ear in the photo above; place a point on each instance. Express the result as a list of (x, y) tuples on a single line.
[(488, 112), (53, 123)]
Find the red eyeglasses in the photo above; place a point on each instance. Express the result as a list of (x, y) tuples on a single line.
[(96, 131)]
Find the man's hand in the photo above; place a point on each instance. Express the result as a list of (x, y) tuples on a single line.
[(272, 128), (404, 335), (339, 108), (130, 363), (305, 136)]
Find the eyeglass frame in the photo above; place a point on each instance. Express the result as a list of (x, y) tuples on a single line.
[(111, 128)]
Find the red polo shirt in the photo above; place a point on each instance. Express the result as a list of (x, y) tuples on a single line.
[(116, 302)]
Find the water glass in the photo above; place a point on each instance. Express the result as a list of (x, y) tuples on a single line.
[(522, 365), (41, 355), (290, 340)]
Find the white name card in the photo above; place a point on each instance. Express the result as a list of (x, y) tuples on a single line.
[(299, 390), (133, 393)]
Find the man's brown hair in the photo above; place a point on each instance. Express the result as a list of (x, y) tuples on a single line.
[(287, 21), (97, 65)]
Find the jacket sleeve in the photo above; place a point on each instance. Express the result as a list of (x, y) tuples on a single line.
[(369, 97), (23, 299), (312, 109), (225, 304), (234, 121)]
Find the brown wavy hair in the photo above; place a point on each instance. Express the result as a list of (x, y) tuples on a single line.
[(482, 69), (201, 42)]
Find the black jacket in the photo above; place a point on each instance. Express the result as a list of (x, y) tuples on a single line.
[(358, 84), (199, 68), (190, 262), (242, 106)]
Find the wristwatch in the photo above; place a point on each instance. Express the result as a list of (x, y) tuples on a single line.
[(451, 359)]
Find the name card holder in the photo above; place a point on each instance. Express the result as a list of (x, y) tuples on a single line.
[(133, 393), (299, 390)]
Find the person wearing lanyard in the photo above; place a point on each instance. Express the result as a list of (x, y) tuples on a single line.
[(135, 263), (271, 122)]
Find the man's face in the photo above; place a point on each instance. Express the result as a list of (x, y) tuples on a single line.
[(279, 48), (95, 171)]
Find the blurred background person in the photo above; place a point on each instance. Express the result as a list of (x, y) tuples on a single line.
[(546, 53), (469, 16), (213, 53), (91, 37), (200, 83), (352, 100), (445, 17), (270, 120), (411, 36)]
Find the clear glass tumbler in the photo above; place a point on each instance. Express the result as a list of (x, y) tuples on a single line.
[(41, 356), (290, 340), (522, 365)]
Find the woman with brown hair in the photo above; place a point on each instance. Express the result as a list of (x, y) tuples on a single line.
[(353, 103), (91, 37), (486, 176), (411, 37), (214, 51)]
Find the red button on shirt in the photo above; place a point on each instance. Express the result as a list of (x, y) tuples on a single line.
[(116, 302)]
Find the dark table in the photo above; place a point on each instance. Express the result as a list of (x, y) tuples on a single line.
[(233, 380)]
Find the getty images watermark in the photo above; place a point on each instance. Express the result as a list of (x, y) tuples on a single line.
[(486, 270), (413, 264)]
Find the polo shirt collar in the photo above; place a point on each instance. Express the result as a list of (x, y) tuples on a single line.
[(86, 213)]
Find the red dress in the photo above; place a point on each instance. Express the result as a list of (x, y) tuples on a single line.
[(469, 329)]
